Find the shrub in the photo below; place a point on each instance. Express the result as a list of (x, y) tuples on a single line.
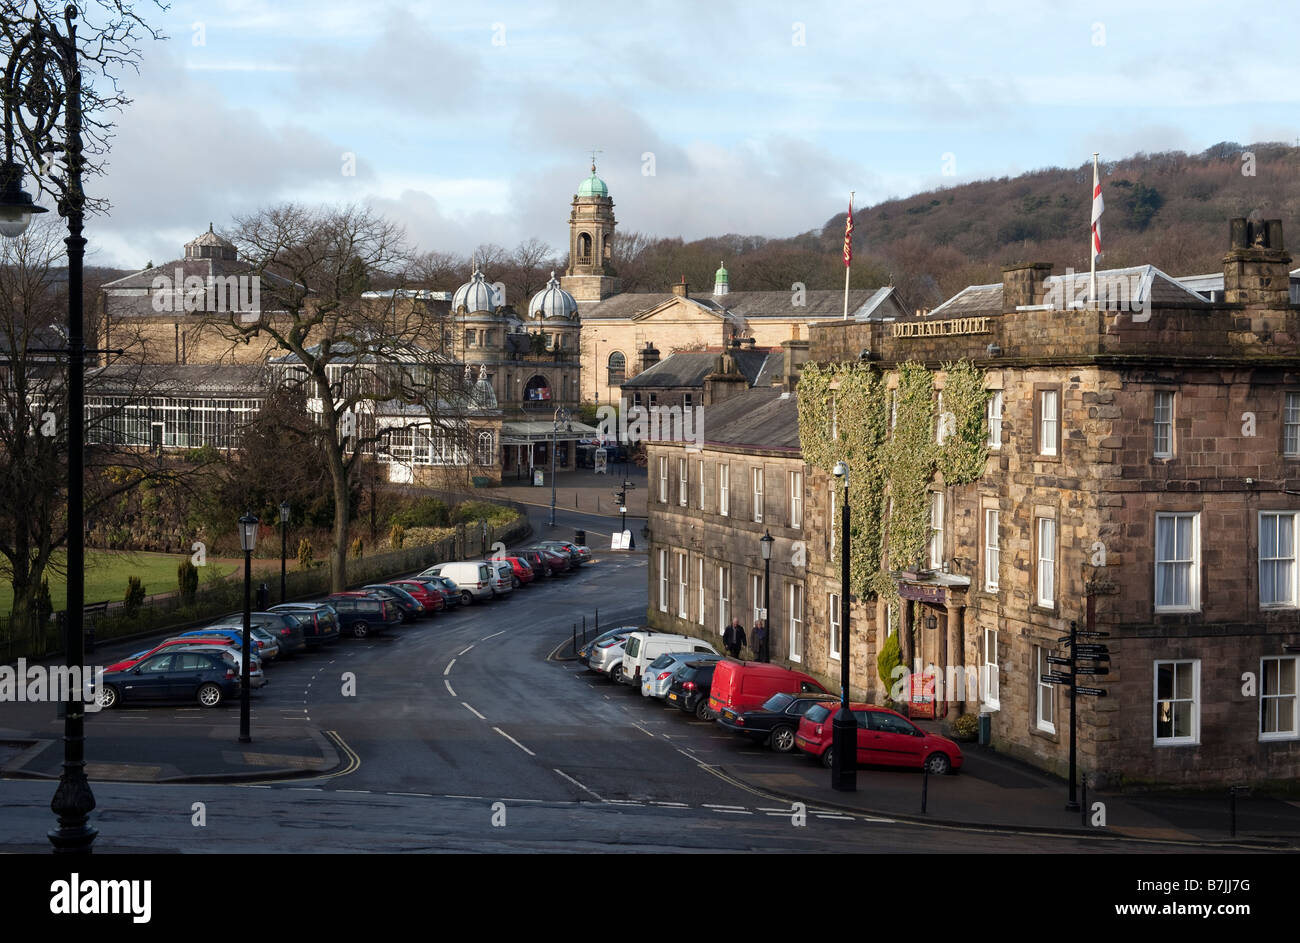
[(134, 598), (44, 605), (187, 579), (397, 536), (358, 548), (426, 512), (890, 657), (966, 727), (471, 512), (304, 554)]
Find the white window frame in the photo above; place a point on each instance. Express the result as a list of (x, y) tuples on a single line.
[(699, 570), (683, 491), (833, 530), (833, 626), (1291, 424), (701, 478), (1045, 570), (994, 416), (663, 479), (1193, 563), (1289, 733), (756, 594), (1046, 693), (1162, 424), (796, 499), (795, 651), (683, 585), (936, 530), (1268, 557), (663, 580), (756, 477), (724, 489), (724, 598), (992, 550), (989, 672), (1048, 425), (1194, 738)]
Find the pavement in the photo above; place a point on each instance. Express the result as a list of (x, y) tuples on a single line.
[(582, 490)]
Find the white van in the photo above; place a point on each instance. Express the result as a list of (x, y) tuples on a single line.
[(472, 577), (644, 647)]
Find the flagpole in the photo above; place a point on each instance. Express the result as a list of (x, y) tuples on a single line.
[(848, 265), (1092, 245)]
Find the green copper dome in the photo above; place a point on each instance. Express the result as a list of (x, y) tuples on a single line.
[(721, 274), (593, 185)]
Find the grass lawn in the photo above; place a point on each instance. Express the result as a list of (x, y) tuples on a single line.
[(107, 572)]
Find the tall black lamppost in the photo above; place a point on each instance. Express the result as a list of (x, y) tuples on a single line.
[(844, 728), (765, 542), (42, 83), (284, 544), (562, 415), (248, 543)]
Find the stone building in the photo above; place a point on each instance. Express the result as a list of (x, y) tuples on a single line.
[(698, 377), (1144, 452)]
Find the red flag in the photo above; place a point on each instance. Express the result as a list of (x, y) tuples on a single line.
[(1097, 207), (848, 236)]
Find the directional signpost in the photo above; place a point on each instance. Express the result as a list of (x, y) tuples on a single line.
[(1093, 654)]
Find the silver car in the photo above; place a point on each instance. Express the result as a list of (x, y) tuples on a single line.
[(658, 677), (608, 657)]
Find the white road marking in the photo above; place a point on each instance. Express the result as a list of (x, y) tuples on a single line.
[(458, 654), (446, 671), (644, 731), (734, 811), (474, 712), (579, 785), (828, 815), (671, 805), (422, 795), (448, 684), (708, 805), (687, 755), (512, 740), (493, 635), (363, 792)]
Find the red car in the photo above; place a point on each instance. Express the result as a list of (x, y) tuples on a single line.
[(424, 594), (885, 738), (130, 662), (523, 572)]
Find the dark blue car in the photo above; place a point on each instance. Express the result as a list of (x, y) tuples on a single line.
[(173, 676)]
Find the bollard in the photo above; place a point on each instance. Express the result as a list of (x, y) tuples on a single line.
[(1084, 809), (597, 621), (925, 786), (575, 638)]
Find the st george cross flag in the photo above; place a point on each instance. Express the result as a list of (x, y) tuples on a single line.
[(1097, 207), (848, 236)]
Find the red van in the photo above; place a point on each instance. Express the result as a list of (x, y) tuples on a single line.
[(740, 686)]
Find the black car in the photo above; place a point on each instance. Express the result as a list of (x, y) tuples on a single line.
[(690, 688), (410, 606), (286, 627), (320, 623), (776, 721), (362, 614), (450, 594), (208, 677)]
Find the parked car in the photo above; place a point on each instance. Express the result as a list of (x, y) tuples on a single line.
[(658, 675), (214, 643), (885, 738), (690, 687), (523, 570), (208, 677), (472, 578), (503, 577), (427, 596), (620, 633), (644, 647), (230, 630), (553, 563), (607, 657), (745, 685), (362, 614), (320, 623), (777, 721), (269, 647), (577, 554), (407, 604), (286, 627), (450, 594)]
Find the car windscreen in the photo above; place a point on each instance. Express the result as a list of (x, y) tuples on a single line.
[(663, 661), (777, 702)]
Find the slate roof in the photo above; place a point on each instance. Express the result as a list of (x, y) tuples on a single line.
[(819, 303), (688, 368), (183, 380), (760, 418), (1134, 283)]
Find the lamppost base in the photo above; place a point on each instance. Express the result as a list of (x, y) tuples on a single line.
[(73, 841), (1072, 806), (844, 761)]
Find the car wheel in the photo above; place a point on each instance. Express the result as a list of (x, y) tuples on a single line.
[(702, 710), (360, 630), (938, 764), (466, 597), (514, 582), (828, 757), (617, 674), (107, 697), (210, 695), (782, 740)]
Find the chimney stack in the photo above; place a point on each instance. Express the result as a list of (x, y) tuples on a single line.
[(680, 289), (725, 381), (1023, 284), (1256, 270), (649, 356)]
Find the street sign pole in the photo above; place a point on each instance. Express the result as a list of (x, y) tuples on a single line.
[(1073, 804)]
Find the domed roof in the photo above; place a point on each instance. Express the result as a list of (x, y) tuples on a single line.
[(721, 274), (553, 302), (475, 295), (209, 245), (593, 185)]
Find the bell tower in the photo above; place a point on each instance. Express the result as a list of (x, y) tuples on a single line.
[(590, 275)]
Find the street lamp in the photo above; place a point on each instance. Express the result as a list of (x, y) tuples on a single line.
[(844, 728), (248, 543), (562, 415), (284, 544), (42, 83), (765, 543)]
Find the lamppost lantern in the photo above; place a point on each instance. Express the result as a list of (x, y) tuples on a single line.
[(841, 470), (16, 206), (931, 622), (284, 512), (248, 533), (765, 542), (284, 546)]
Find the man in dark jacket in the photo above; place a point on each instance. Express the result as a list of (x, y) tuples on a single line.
[(760, 641), (733, 639)]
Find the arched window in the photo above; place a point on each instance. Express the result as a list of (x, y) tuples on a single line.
[(537, 390), (617, 368), (584, 248), (484, 453)]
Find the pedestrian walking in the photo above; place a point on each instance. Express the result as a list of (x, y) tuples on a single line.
[(733, 639), (760, 641)]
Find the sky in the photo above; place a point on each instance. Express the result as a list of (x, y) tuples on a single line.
[(474, 122)]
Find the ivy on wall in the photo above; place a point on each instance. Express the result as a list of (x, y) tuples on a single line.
[(890, 469)]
